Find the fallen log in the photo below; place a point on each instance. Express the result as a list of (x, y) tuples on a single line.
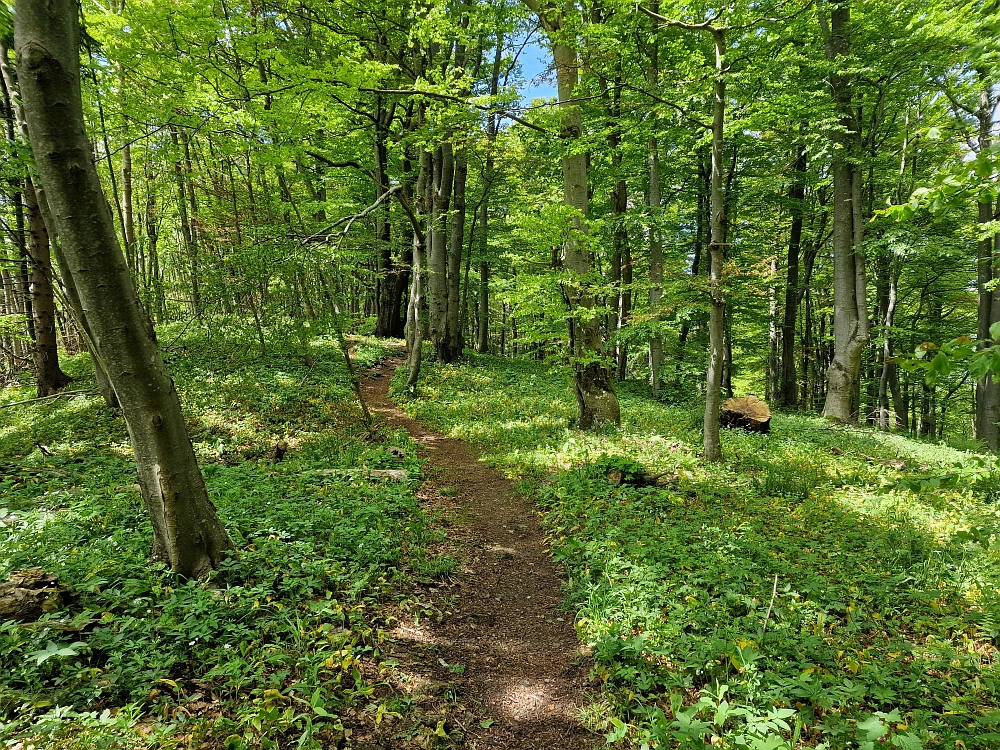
[(747, 413), (28, 594)]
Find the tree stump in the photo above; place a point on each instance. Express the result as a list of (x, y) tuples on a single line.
[(28, 594), (748, 413)]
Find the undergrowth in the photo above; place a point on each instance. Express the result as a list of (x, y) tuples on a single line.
[(284, 646), (825, 587)]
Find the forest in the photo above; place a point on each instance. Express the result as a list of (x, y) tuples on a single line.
[(535, 374)]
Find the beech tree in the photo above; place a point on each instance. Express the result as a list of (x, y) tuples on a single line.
[(187, 533), (595, 393)]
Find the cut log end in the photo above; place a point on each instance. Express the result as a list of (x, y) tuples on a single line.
[(747, 413)]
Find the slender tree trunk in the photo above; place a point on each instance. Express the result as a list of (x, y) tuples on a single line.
[(773, 337), (187, 533), (414, 320), (788, 395), (987, 424), (49, 377), (653, 202), (128, 217), (187, 235), (385, 277), (155, 273), (483, 333), (888, 366), (716, 325), (456, 342)]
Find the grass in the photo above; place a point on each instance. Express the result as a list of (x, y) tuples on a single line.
[(285, 646), (825, 587)]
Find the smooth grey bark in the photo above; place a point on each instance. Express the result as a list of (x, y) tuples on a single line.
[(595, 394), (850, 307), (187, 533), (441, 185)]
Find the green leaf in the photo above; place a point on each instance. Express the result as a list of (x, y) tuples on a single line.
[(908, 741), (54, 649), (871, 729), (619, 731)]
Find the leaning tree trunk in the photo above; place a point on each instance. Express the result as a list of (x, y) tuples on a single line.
[(595, 393), (187, 533)]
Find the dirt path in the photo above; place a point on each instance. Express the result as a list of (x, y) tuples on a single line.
[(524, 674)]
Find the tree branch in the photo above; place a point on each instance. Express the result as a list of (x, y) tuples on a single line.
[(460, 100)]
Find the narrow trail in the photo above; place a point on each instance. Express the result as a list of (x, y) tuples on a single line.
[(524, 673)]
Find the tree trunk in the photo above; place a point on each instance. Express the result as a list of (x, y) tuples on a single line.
[(716, 324), (128, 209), (773, 336), (187, 233), (888, 366), (414, 312), (788, 395), (187, 533), (49, 377), (987, 426), (386, 278), (455, 338), (655, 243), (483, 333), (442, 181), (850, 320), (595, 393)]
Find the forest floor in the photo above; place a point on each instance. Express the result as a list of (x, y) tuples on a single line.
[(824, 587), (504, 642)]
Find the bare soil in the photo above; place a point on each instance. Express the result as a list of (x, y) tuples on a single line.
[(500, 663)]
